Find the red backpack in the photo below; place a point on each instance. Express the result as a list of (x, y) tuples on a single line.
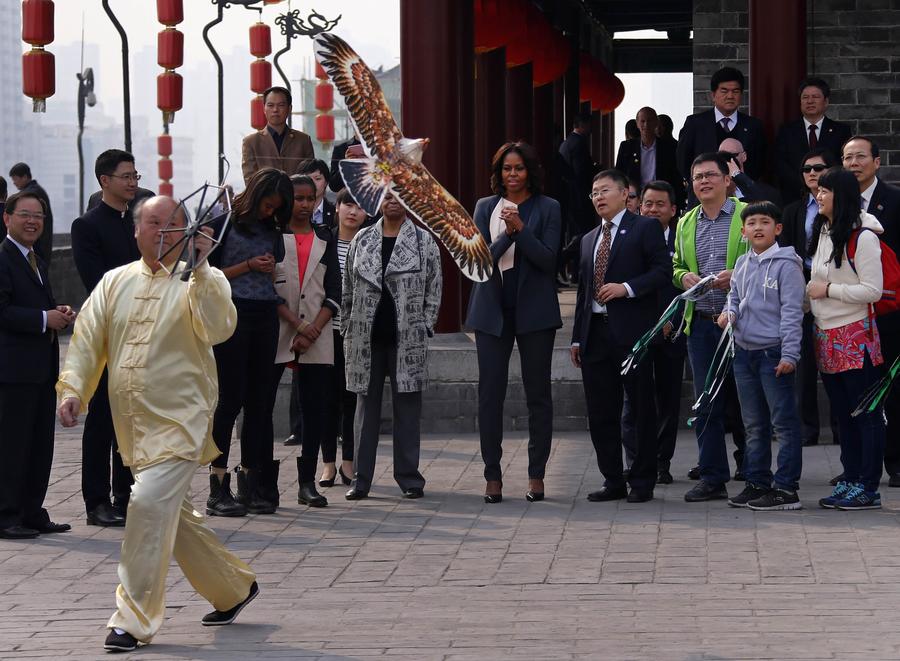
[(890, 269)]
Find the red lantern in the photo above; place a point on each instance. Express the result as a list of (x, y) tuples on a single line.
[(37, 22), (164, 145), (556, 55), (324, 96), (520, 46), (260, 40), (170, 49), (39, 77), (325, 128), (320, 72), (169, 94), (165, 188), (170, 12), (257, 113), (260, 76), (616, 95), (165, 168)]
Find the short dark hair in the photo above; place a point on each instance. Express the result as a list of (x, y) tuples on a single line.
[(616, 175), (822, 152), (812, 81), (344, 197), (279, 90), (875, 152), (761, 208), (310, 165), (20, 170), (108, 161), (662, 187), (631, 129), (581, 120), (3, 189), (716, 157), (14, 199), (532, 167), (726, 75), (302, 180)]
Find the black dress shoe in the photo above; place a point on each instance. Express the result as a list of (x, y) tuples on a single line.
[(309, 496), (705, 491), (664, 477), (413, 493), (606, 494), (49, 527), (894, 480), (739, 476), (221, 618), (18, 532), (635, 496), (837, 478), (292, 440), (356, 494), (120, 642), (694, 473), (105, 515)]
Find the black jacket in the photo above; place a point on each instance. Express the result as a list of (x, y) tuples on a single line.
[(885, 206), (102, 239), (792, 142), (699, 135), (628, 161)]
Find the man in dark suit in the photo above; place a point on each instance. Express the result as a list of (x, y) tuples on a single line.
[(277, 145), (577, 169), (862, 157), (743, 187), (20, 174), (29, 366), (103, 239), (704, 131), (812, 130), (348, 149), (650, 158), (624, 263), (3, 192)]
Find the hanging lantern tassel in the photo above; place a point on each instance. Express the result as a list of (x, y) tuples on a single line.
[(718, 372), (875, 396)]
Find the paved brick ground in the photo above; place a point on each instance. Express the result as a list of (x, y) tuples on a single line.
[(448, 577)]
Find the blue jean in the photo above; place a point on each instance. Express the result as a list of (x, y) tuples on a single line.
[(710, 422), (863, 437), (767, 403)]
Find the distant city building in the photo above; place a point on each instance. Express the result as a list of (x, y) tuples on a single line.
[(14, 145)]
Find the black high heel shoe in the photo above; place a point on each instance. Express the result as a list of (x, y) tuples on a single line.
[(535, 491), (493, 492), (328, 483), (346, 480)]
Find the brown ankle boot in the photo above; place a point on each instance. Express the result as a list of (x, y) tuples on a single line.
[(493, 491), (535, 490)]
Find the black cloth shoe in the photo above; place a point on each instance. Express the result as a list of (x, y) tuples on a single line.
[(413, 492), (356, 494), (694, 473), (706, 491), (837, 478), (309, 496), (664, 477), (221, 618), (776, 499), (606, 494), (221, 501), (120, 642), (894, 480), (750, 492), (105, 515), (48, 527), (18, 532), (635, 496)]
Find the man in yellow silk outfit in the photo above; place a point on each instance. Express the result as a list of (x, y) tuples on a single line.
[(156, 334)]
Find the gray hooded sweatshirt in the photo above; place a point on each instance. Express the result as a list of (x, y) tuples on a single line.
[(766, 297)]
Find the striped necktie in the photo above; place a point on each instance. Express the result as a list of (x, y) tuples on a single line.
[(32, 260)]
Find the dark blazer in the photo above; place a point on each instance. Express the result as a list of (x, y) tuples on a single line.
[(102, 239), (27, 354), (793, 228), (885, 206), (628, 160), (537, 305), (639, 256), (44, 245), (792, 142), (329, 219), (755, 191), (699, 135), (339, 153)]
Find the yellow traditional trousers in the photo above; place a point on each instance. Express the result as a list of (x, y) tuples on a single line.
[(162, 521)]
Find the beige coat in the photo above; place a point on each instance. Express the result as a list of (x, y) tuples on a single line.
[(258, 151)]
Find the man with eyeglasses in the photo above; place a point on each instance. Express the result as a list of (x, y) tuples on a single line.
[(708, 242), (29, 364), (103, 239), (742, 186), (861, 156), (810, 131), (277, 145)]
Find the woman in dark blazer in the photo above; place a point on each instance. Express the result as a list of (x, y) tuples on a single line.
[(517, 304)]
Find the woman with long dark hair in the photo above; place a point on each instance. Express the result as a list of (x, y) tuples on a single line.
[(251, 246), (848, 349), (518, 305)]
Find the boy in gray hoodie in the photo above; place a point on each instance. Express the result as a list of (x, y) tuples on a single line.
[(765, 306)]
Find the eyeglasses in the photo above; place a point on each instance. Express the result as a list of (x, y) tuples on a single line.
[(29, 215), (700, 176), (601, 193), (632, 196), (127, 177), (818, 167)]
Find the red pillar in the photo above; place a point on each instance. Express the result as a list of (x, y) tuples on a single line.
[(608, 148), (436, 51), (597, 130), (777, 60), (519, 103), (490, 118)]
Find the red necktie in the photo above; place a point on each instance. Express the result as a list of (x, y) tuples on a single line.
[(602, 260), (813, 140)]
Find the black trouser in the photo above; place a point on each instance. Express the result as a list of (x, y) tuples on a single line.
[(535, 355), (98, 442), (604, 384), (339, 418), (889, 331), (295, 414), (314, 382), (667, 361), (244, 364), (26, 445)]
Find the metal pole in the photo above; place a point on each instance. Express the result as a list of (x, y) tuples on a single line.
[(126, 79), (221, 86)]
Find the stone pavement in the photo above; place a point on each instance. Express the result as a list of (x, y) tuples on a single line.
[(448, 577)]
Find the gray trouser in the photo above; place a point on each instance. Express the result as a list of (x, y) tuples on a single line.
[(407, 412)]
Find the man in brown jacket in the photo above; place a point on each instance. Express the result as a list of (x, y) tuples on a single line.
[(276, 145)]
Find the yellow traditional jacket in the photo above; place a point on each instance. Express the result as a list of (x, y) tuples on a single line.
[(156, 334)]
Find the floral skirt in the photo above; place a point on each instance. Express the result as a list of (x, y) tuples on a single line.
[(844, 348)]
